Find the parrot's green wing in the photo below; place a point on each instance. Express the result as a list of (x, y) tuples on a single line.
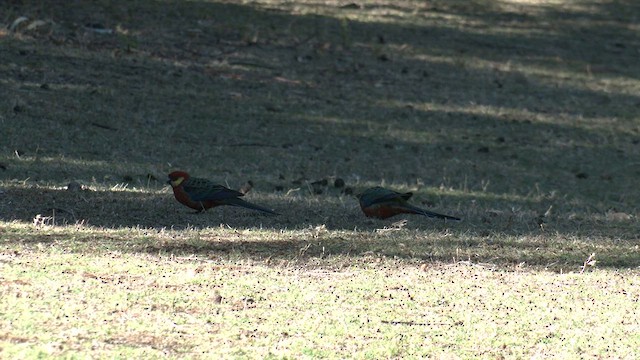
[(203, 189)]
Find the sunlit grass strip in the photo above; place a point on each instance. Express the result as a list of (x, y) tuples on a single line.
[(148, 305)]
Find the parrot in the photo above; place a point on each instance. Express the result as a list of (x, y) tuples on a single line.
[(202, 194), (382, 203)]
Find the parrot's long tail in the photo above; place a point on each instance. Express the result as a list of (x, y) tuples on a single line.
[(248, 205), (431, 214)]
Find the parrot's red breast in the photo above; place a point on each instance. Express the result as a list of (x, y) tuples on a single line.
[(384, 211), (382, 203)]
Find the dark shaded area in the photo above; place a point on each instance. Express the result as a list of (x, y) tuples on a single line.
[(467, 95)]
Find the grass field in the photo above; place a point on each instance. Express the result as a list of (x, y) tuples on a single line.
[(520, 116)]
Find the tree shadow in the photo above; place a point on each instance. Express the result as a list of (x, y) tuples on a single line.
[(330, 236), (467, 97)]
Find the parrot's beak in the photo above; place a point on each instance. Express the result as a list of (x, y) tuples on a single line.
[(169, 181)]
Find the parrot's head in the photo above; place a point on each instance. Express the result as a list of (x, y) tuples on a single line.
[(360, 196), (177, 177)]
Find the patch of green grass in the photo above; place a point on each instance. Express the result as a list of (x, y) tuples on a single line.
[(147, 305)]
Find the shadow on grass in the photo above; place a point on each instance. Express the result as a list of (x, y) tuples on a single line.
[(522, 107), (320, 248), (159, 97), (327, 237)]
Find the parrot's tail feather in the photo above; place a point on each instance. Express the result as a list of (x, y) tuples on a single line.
[(248, 205), (432, 214)]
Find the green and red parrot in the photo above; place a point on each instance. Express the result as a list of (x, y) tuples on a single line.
[(202, 194), (381, 203)]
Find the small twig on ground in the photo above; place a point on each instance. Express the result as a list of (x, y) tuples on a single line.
[(102, 126), (304, 249), (591, 261)]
